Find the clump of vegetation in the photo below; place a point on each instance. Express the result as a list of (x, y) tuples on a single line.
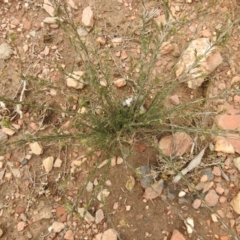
[(111, 118)]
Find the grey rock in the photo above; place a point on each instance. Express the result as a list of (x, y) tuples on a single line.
[(182, 201), (5, 51), (208, 172), (3, 136), (24, 162), (82, 32), (145, 176)]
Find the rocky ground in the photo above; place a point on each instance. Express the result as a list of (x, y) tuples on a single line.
[(41, 182)]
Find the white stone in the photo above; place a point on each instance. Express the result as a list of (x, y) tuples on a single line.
[(48, 164), (5, 51), (56, 227), (119, 160), (103, 195), (86, 215), (87, 17), (182, 194), (190, 225), (128, 208), (74, 80), (99, 216), (57, 163), (208, 61), (82, 32), (36, 148), (214, 217), (89, 186)]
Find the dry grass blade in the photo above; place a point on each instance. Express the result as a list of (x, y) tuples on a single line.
[(193, 163)]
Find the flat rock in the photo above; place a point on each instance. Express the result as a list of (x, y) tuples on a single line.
[(103, 195), (48, 164), (87, 17), (57, 227), (57, 163), (119, 160), (110, 234), (8, 131), (5, 51), (74, 80), (69, 235), (36, 148), (223, 145), (211, 198), (120, 82), (86, 215), (236, 203), (195, 73), (99, 216), (20, 226), (230, 120), (61, 213), (44, 213), (176, 144), (47, 6), (154, 190), (176, 235)]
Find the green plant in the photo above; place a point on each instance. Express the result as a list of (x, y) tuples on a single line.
[(110, 119)]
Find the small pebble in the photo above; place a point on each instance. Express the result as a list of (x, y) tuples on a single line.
[(24, 162), (181, 194), (128, 208)]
